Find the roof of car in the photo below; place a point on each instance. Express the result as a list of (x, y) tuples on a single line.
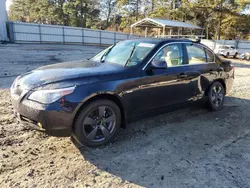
[(160, 40)]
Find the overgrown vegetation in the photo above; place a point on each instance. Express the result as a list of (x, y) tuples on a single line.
[(221, 19)]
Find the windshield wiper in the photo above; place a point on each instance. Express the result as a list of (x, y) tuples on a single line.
[(131, 54), (102, 59)]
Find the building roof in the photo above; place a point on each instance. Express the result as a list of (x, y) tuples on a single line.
[(153, 22)]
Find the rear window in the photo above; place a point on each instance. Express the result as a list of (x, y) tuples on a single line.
[(196, 54), (210, 56)]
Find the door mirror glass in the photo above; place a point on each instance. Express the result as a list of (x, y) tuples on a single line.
[(159, 64)]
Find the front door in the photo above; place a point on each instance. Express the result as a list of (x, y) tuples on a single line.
[(174, 84)]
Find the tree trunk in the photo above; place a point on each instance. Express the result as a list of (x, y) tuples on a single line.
[(219, 23), (61, 12), (174, 4), (81, 14), (152, 5), (137, 9), (109, 13)]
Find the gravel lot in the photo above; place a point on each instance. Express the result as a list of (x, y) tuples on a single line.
[(188, 148)]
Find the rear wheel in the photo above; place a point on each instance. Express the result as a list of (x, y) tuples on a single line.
[(235, 55), (216, 96), (97, 123)]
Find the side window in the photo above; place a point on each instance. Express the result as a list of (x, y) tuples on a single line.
[(210, 56), (196, 54), (171, 54)]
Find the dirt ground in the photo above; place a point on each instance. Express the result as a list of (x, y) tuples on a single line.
[(187, 148)]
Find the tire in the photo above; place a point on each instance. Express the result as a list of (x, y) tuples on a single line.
[(235, 55), (216, 96), (227, 55), (97, 123)]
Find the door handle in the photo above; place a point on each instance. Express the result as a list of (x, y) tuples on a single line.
[(183, 75)]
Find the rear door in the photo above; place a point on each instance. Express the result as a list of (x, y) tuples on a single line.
[(201, 60)]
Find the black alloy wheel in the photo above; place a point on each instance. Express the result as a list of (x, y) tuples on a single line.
[(216, 96), (97, 123)]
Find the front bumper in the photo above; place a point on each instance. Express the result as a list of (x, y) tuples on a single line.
[(54, 119), (28, 122)]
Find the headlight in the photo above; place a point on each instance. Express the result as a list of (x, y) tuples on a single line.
[(50, 96)]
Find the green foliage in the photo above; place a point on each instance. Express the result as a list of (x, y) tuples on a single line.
[(219, 18), (61, 12)]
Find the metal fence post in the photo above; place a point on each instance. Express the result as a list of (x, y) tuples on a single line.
[(114, 38), (10, 31), (100, 38), (63, 35), (82, 36), (40, 33)]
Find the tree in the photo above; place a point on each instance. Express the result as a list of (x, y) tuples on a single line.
[(221, 19), (107, 7)]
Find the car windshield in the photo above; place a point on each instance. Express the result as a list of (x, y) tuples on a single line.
[(223, 47), (125, 53)]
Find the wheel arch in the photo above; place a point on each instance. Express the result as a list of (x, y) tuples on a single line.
[(222, 81), (107, 96)]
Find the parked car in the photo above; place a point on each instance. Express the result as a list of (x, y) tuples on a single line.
[(245, 56), (91, 100), (227, 51)]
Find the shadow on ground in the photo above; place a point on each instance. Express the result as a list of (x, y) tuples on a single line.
[(241, 65), (191, 147)]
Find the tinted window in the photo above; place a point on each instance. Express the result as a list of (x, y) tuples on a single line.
[(210, 56), (171, 54), (196, 54)]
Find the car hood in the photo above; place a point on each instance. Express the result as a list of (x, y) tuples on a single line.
[(66, 71)]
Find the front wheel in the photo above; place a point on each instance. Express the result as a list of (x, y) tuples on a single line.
[(235, 55), (216, 96), (97, 123)]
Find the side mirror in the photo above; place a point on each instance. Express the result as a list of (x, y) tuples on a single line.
[(159, 64)]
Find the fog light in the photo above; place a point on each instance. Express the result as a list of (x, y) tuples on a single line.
[(40, 125)]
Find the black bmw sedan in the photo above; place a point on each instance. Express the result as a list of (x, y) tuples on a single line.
[(91, 100)]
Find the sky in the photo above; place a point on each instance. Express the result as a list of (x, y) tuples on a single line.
[(8, 3)]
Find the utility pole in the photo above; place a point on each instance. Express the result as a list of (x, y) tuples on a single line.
[(3, 20)]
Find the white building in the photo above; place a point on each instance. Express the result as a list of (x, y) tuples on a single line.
[(3, 19)]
